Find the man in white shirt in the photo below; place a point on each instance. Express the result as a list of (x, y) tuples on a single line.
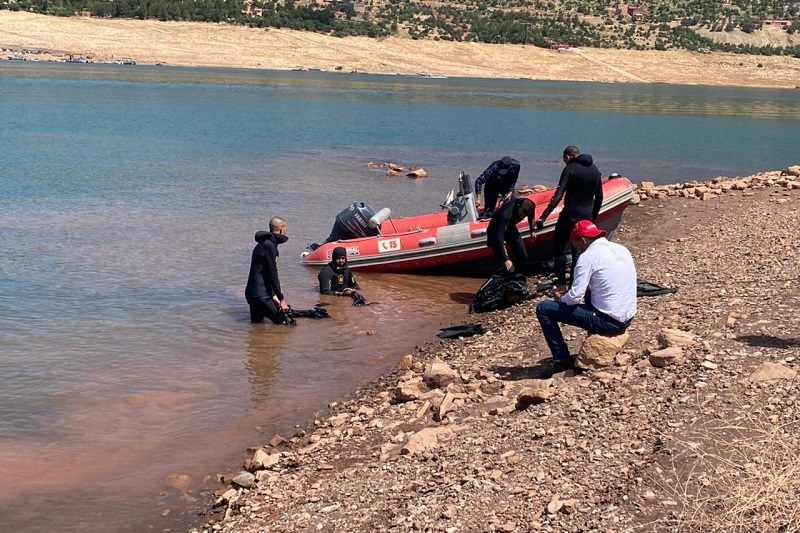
[(602, 298)]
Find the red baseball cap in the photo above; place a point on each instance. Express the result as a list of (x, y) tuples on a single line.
[(586, 228)]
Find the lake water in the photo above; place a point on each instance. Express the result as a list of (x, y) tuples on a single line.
[(128, 202)]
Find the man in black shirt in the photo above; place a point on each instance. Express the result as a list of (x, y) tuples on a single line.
[(581, 187), (498, 178), (336, 278), (263, 291), (503, 230)]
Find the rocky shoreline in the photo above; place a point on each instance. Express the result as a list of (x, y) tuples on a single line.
[(479, 434)]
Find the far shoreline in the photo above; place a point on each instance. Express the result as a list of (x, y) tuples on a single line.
[(29, 36), (401, 75)]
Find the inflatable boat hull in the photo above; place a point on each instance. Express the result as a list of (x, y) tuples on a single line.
[(427, 242)]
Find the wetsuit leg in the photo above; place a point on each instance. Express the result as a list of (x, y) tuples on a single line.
[(560, 240), (265, 308), (256, 311)]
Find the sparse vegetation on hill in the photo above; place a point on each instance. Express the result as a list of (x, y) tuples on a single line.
[(649, 24)]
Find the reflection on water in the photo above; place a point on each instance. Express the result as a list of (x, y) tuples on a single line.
[(128, 203)]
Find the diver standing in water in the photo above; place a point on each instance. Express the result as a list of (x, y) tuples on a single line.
[(502, 231), (336, 278), (581, 186), (263, 291)]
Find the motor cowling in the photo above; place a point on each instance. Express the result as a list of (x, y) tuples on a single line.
[(353, 223)]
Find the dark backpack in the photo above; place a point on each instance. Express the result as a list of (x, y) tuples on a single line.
[(500, 291)]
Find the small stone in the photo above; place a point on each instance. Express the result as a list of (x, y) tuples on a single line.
[(407, 362), (709, 365), (535, 394), (439, 374), (666, 357), (261, 460), (408, 391), (555, 505), (772, 372), (426, 440), (245, 480), (669, 337)]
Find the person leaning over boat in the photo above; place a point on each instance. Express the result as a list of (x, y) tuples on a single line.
[(336, 278), (263, 291), (581, 186), (498, 180), (602, 298), (502, 231)]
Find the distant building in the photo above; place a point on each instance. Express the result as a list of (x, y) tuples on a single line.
[(638, 12), (776, 23), (249, 9)]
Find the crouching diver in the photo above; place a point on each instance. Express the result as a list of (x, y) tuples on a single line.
[(498, 179), (263, 291), (503, 233), (337, 279)]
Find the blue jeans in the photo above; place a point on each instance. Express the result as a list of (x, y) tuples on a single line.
[(551, 312)]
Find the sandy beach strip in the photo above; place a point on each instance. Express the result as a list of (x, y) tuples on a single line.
[(222, 45)]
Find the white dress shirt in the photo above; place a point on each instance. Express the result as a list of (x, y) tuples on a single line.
[(606, 269)]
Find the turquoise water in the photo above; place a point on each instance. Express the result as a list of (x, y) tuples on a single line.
[(128, 200)]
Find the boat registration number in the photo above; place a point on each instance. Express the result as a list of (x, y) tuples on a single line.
[(389, 245)]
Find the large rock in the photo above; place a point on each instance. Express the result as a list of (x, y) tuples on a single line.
[(772, 372), (598, 351), (426, 440), (668, 337), (793, 170), (668, 356), (438, 374)]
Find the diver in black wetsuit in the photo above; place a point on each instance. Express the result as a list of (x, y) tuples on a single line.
[(581, 187), (498, 179), (336, 278), (263, 291), (503, 230)]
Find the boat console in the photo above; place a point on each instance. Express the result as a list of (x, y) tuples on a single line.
[(460, 203)]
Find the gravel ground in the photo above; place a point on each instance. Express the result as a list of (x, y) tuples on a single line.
[(478, 434)]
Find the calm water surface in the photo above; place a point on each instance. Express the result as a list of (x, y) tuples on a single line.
[(128, 202)]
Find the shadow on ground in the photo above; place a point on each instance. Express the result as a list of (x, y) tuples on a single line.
[(769, 341)]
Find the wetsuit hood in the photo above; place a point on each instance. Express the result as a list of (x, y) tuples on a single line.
[(584, 160), (338, 252), (262, 236)]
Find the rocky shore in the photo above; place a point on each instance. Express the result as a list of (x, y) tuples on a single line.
[(691, 425)]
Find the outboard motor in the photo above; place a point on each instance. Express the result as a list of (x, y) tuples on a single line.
[(353, 223)]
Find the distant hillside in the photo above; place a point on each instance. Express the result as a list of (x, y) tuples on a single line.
[(700, 25)]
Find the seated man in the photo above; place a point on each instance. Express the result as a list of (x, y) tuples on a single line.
[(498, 178), (502, 232), (336, 278), (602, 298)]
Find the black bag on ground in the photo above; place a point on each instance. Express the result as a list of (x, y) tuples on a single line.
[(500, 291)]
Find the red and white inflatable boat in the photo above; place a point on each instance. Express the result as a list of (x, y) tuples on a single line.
[(451, 238)]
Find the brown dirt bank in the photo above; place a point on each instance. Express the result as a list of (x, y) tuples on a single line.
[(220, 45), (704, 444)]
